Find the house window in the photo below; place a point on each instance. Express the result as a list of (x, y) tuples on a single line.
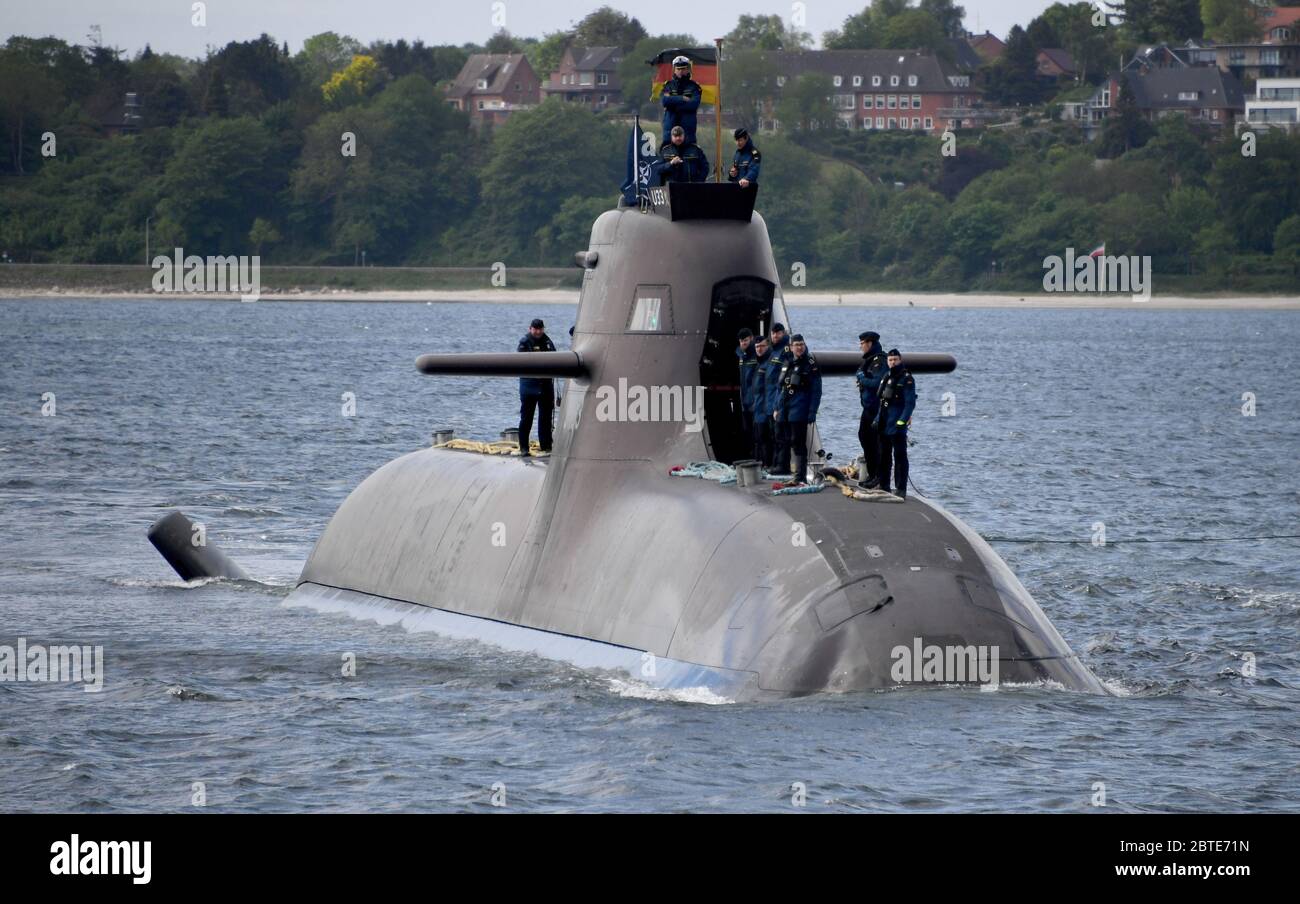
[(916, 101), (866, 101), (843, 101), (480, 105), (880, 122), (1189, 95), (893, 101), (875, 81), (602, 78), (857, 81), (929, 123), (893, 81), (1105, 96), (903, 102), (916, 122), (1216, 114), (911, 81), (481, 84), (880, 101), (893, 122), (604, 98), (837, 81)]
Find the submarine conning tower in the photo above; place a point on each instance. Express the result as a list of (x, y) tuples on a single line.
[(666, 287)]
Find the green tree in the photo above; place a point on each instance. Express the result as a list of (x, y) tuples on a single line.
[(1229, 21), (916, 29), (410, 177), (607, 27), (360, 79), (27, 95), (973, 230), (502, 42), (1013, 78), (324, 54), (1125, 129), (219, 181), (546, 56), (769, 32), (262, 233), (805, 103), (581, 155), (948, 14)]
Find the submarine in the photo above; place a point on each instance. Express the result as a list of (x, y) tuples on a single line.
[(598, 556)]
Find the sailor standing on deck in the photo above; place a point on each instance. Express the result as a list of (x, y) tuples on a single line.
[(897, 396), (535, 393), (680, 99), (801, 396), (748, 365), (745, 163), (762, 410), (870, 372), (780, 439)]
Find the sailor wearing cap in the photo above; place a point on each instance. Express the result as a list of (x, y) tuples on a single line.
[(779, 354), (897, 396), (682, 161), (745, 163), (870, 372), (680, 99), (801, 396), (536, 393)]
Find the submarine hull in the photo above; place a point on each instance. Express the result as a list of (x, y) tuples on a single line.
[(680, 582)]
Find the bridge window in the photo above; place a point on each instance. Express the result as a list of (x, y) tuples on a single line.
[(652, 312)]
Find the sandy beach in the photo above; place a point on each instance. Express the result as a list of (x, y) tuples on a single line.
[(792, 298)]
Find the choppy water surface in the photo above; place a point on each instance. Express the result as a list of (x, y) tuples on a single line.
[(233, 413)]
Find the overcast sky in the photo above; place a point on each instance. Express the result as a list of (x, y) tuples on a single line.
[(165, 24)]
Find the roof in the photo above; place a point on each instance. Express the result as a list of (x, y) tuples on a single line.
[(1060, 57), (931, 72), (987, 45), (585, 58), (496, 68), (1158, 89), (965, 55), (1270, 18)]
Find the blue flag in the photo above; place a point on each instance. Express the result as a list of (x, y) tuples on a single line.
[(641, 166)]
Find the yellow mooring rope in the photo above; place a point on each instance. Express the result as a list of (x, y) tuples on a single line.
[(488, 448)]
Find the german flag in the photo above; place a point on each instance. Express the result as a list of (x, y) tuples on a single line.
[(704, 69)]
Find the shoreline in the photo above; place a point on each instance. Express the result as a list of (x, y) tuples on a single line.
[(1074, 301)]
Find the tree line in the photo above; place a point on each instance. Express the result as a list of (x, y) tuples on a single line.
[(317, 156)]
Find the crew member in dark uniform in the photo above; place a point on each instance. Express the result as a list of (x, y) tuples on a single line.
[(870, 372), (682, 160), (535, 393), (745, 164), (747, 360), (801, 395), (762, 405), (780, 351), (680, 99), (897, 397)]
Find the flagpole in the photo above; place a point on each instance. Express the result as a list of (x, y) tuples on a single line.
[(717, 114), (636, 155)]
